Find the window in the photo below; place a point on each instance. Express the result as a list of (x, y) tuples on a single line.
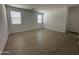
[(39, 20), (15, 17)]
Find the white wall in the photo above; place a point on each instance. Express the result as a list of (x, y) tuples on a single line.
[(28, 18), (56, 19), (55, 16), (3, 27)]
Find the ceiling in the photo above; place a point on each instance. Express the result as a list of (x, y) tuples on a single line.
[(42, 7)]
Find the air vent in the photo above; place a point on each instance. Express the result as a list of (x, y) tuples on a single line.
[(33, 9)]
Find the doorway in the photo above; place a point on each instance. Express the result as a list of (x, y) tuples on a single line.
[(73, 19)]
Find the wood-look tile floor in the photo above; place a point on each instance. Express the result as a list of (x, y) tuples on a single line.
[(41, 42)]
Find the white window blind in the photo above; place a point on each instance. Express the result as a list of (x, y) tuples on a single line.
[(15, 17)]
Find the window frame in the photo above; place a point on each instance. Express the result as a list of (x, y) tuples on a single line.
[(39, 18)]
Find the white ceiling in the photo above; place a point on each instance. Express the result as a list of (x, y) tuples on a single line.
[(42, 7)]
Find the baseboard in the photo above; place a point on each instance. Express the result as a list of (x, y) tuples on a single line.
[(27, 30), (73, 32), (54, 30)]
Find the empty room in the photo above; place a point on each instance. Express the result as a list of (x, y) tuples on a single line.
[(39, 29)]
